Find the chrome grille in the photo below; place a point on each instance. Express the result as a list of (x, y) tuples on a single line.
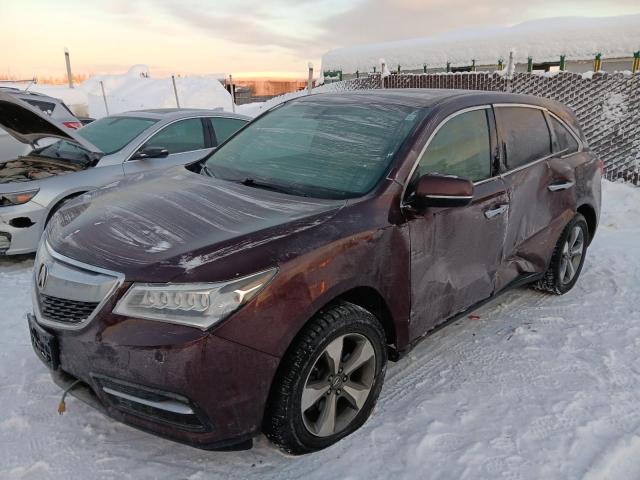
[(65, 311), (67, 294)]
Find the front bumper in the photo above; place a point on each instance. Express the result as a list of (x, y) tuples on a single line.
[(210, 392), (21, 227)]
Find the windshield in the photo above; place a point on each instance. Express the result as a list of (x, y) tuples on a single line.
[(328, 149), (109, 134)]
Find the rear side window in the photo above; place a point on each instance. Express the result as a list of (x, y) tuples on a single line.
[(181, 136), (565, 143), (524, 134), (461, 147), (225, 127), (46, 107)]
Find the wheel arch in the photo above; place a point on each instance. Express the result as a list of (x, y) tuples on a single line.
[(60, 201), (589, 214)]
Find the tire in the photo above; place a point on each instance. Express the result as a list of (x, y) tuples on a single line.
[(565, 266), (306, 373)]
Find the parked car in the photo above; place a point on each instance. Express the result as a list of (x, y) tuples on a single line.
[(10, 148), (265, 290), (53, 107), (34, 186)]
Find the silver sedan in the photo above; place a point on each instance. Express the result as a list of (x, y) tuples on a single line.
[(34, 186)]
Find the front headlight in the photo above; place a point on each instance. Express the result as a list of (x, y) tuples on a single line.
[(7, 199), (200, 305)]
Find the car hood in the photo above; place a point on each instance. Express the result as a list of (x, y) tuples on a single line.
[(28, 125), (155, 227)]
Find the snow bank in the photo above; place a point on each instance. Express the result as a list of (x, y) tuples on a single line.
[(137, 90), (579, 38), (539, 387)]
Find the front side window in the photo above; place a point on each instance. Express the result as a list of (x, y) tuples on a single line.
[(524, 134), (329, 147), (461, 147), (225, 127), (181, 136), (565, 143)]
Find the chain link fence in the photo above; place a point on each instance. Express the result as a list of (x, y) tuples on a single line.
[(607, 105)]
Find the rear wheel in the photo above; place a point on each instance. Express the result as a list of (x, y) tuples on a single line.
[(329, 380), (568, 258)]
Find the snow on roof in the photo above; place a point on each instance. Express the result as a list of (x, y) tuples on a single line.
[(579, 38)]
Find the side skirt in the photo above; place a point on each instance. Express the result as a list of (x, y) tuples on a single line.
[(518, 282)]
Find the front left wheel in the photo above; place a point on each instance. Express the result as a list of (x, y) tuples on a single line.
[(329, 380)]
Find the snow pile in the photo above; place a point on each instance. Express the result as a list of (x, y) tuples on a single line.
[(137, 90), (539, 387), (579, 38)]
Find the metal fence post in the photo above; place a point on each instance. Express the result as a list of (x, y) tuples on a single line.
[(104, 97), (175, 90), (233, 94), (597, 63)]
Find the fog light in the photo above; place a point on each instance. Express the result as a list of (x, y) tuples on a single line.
[(5, 242)]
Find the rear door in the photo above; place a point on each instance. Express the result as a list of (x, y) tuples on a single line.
[(186, 140), (224, 127), (526, 147), (456, 251)]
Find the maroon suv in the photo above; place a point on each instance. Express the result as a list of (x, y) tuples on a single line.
[(264, 288)]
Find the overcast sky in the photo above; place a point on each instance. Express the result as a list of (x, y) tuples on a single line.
[(266, 37)]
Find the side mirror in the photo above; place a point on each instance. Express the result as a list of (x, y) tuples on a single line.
[(150, 152), (443, 191)]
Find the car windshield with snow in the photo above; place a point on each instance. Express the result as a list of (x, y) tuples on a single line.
[(264, 288), (35, 185)]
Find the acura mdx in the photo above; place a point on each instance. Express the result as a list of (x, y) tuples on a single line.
[(264, 288)]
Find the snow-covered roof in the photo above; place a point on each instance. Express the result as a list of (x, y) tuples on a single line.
[(579, 38)]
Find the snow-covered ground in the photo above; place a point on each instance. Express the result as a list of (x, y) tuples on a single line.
[(539, 387)]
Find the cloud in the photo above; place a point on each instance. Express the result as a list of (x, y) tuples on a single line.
[(242, 24), (385, 20)]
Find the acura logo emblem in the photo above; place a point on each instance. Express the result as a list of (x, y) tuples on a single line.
[(42, 275)]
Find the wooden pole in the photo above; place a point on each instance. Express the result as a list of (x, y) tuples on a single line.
[(68, 62), (310, 78)]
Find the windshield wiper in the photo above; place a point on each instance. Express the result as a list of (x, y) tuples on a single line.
[(207, 171), (250, 182)]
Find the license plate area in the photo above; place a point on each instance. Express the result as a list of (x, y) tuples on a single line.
[(44, 344)]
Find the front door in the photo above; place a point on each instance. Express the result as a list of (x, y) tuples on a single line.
[(186, 140), (457, 251)]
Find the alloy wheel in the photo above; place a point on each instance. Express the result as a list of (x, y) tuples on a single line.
[(572, 253), (338, 384)]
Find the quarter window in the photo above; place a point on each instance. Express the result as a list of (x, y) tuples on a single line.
[(565, 143), (524, 134), (225, 127), (461, 147), (181, 136)]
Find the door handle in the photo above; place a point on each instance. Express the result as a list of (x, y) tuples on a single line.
[(555, 187), (494, 212)]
